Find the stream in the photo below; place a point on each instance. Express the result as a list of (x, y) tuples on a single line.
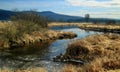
[(42, 57)]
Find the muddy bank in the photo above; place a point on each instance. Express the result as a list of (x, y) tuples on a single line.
[(99, 52), (35, 37)]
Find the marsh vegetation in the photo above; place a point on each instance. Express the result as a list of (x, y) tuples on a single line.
[(99, 52), (27, 28)]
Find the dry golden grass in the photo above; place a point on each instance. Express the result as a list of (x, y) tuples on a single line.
[(117, 70), (22, 34), (25, 70), (69, 68), (101, 26), (4, 25), (100, 51), (85, 25), (94, 66), (65, 24)]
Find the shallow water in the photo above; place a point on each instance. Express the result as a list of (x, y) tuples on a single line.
[(42, 57)]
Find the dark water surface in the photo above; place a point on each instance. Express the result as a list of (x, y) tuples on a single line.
[(41, 57)]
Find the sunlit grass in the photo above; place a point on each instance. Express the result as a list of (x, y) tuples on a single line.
[(37, 69), (100, 52), (86, 25)]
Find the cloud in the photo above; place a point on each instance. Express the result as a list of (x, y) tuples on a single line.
[(93, 14), (115, 15), (95, 3)]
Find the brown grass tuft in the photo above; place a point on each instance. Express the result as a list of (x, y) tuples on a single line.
[(69, 68), (100, 51)]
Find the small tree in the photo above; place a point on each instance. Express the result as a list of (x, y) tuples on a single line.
[(30, 17), (87, 16)]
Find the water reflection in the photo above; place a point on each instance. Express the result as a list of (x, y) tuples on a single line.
[(80, 33)]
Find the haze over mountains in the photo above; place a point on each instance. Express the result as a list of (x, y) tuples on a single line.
[(6, 14)]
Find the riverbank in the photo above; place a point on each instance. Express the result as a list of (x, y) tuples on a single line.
[(99, 52), (10, 38), (90, 26)]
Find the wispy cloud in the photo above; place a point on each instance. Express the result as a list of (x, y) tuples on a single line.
[(95, 3), (96, 14)]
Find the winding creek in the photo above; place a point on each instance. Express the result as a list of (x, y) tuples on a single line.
[(42, 58)]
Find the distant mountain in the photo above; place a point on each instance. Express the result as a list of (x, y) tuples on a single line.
[(6, 14), (58, 17), (63, 18)]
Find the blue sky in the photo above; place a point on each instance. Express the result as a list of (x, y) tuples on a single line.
[(96, 8)]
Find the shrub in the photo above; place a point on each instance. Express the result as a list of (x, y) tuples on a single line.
[(22, 23), (10, 31), (29, 21), (30, 17)]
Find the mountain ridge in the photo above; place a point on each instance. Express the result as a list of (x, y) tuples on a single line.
[(6, 14)]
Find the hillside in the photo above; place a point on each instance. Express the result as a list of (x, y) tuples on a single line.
[(58, 17), (6, 14)]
